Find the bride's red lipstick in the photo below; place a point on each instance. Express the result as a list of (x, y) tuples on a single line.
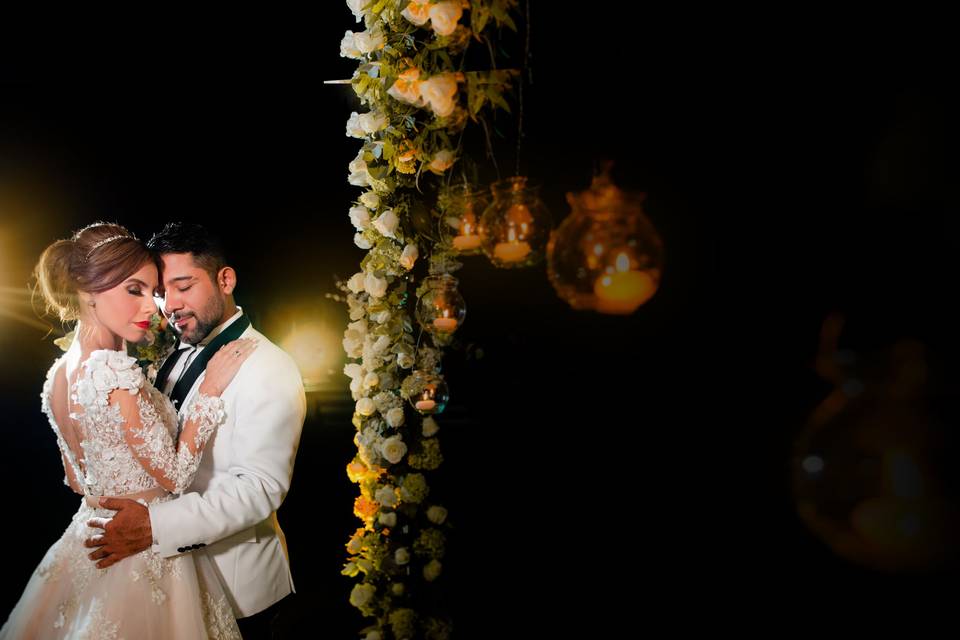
[(143, 325)]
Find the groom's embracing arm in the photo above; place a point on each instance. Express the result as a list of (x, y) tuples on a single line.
[(270, 408)]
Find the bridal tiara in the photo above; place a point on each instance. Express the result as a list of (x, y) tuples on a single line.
[(100, 243)]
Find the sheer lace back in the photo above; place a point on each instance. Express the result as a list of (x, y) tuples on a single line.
[(56, 394), (107, 462)]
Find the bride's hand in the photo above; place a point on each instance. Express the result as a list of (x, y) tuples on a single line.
[(224, 364)]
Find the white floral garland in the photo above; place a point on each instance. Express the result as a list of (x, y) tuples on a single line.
[(407, 80)]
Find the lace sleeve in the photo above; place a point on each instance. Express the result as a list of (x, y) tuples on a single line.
[(172, 463)]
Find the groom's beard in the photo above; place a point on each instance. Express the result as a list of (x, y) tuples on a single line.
[(206, 320)]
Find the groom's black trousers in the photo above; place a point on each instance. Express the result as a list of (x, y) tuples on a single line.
[(260, 626)]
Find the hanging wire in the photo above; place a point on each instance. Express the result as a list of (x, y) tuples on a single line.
[(526, 75)]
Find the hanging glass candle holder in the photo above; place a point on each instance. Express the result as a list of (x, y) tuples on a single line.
[(606, 255), (869, 478), (462, 205), (441, 309), (515, 228), (429, 393)]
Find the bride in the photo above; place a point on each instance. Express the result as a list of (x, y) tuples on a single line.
[(118, 437)]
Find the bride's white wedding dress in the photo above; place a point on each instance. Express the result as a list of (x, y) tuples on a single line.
[(122, 444)]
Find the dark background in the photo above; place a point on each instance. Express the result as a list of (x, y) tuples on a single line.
[(599, 470)]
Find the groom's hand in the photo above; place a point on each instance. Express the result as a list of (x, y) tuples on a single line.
[(126, 533)]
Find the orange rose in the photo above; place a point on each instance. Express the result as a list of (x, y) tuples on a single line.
[(364, 508)]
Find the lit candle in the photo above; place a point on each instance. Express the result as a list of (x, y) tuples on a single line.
[(623, 291), (445, 324), (466, 243), (425, 405), (511, 251)]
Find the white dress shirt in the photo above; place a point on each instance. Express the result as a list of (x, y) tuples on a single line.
[(183, 364)]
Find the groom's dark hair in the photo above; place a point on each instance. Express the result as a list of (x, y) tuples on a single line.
[(188, 237)]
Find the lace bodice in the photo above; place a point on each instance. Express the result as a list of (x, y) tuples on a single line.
[(128, 439)]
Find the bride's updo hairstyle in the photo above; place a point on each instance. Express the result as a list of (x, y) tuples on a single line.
[(95, 259)]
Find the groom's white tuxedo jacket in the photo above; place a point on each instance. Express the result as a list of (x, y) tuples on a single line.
[(230, 511)]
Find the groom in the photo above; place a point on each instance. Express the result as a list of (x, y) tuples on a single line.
[(230, 511)]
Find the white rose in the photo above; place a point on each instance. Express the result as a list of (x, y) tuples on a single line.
[(359, 173), (401, 556), (361, 594), (348, 47), (436, 514), (432, 570), (356, 6), (353, 347), (358, 163), (370, 40), (395, 417), (372, 122), (361, 241), (104, 378), (375, 286), (370, 359), (387, 496), (371, 380), (393, 449), (370, 200), (359, 179), (355, 283), (353, 369), (444, 16), (354, 130), (358, 326), (442, 160), (405, 360), (365, 407), (417, 12), (430, 427), (355, 386), (380, 317), (360, 217), (387, 223), (388, 519), (409, 256), (397, 588), (381, 344), (439, 92)]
